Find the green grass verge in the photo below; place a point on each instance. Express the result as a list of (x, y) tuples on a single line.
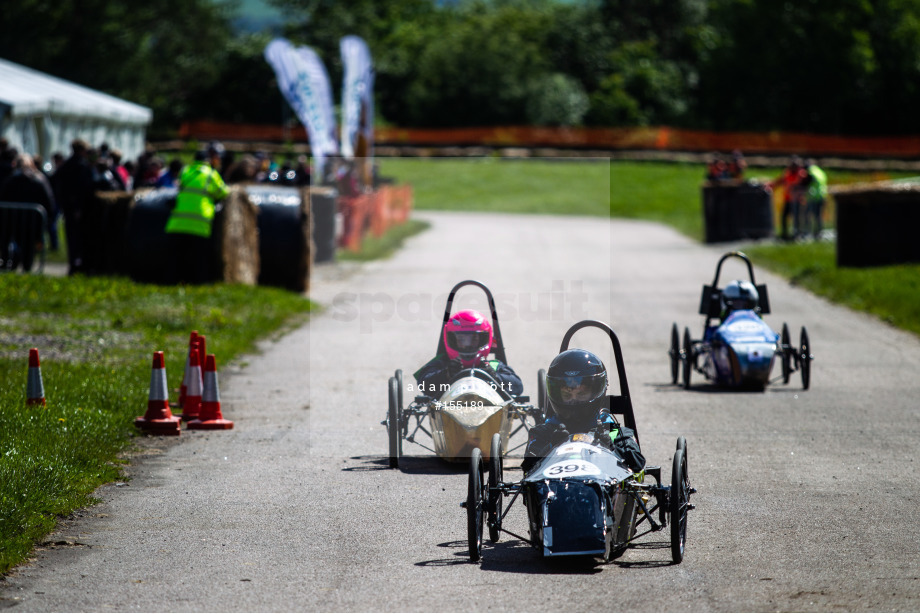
[(889, 292), (96, 338), (373, 248), (538, 185)]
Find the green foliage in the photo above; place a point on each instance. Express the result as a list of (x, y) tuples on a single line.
[(96, 337), (823, 66)]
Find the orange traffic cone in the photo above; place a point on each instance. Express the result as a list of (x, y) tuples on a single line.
[(193, 393), (182, 389), (159, 419), (35, 389), (210, 417)]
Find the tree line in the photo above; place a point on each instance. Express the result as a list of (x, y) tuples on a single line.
[(820, 66)]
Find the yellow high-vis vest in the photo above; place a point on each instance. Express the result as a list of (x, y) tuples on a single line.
[(200, 186)]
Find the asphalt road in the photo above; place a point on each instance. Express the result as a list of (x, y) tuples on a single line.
[(807, 501)]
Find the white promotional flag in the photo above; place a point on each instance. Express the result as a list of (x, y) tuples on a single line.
[(304, 82), (357, 96)]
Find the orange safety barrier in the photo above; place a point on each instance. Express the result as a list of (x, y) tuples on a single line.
[(354, 217), (649, 138)]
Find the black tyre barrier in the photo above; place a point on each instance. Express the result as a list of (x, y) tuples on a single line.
[(147, 244), (323, 210), (732, 212), (877, 224), (285, 235), (234, 241)]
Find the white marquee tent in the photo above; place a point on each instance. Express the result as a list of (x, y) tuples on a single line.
[(41, 114)]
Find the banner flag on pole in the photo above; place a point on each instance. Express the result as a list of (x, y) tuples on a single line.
[(357, 98), (304, 82)]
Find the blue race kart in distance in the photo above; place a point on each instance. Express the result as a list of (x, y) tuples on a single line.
[(581, 498), (738, 348)]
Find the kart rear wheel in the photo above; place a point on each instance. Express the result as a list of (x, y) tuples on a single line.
[(674, 353), (805, 359), (474, 506), (785, 356), (679, 503), (393, 427), (496, 469), (687, 358)]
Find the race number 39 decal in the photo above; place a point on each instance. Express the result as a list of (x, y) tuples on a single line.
[(571, 469)]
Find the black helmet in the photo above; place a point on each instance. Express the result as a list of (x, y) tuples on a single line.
[(576, 385)]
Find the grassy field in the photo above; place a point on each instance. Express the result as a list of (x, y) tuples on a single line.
[(96, 338), (663, 192), (565, 186), (890, 292)]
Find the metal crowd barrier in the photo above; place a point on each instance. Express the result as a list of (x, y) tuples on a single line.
[(22, 233)]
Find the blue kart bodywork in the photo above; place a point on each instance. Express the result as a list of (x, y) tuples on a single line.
[(738, 349), (741, 352)]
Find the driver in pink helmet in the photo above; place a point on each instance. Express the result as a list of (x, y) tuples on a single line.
[(467, 342)]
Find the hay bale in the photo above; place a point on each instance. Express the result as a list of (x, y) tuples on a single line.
[(285, 235), (877, 223), (234, 239)]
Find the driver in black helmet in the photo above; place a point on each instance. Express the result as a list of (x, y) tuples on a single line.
[(576, 386)]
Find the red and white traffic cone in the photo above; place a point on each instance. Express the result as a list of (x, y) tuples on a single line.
[(159, 419), (210, 418), (202, 352), (35, 389), (192, 405), (182, 389)]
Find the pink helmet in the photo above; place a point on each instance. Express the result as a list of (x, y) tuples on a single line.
[(468, 336)]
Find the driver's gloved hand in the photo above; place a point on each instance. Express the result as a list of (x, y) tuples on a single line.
[(454, 367)]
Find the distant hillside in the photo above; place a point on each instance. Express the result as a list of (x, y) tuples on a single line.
[(255, 16)]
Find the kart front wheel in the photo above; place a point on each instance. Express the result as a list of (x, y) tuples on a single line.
[(541, 391), (674, 353), (474, 506), (399, 387), (679, 503), (393, 428), (785, 356), (687, 358), (805, 359), (496, 470)]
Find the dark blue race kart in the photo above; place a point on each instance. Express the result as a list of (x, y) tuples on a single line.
[(581, 499), (738, 351)]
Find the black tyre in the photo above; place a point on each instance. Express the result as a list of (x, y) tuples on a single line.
[(687, 357), (805, 359), (400, 388), (496, 470), (393, 426), (679, 503), (541, 391), (674, 353), (474, 507), (786, 356)]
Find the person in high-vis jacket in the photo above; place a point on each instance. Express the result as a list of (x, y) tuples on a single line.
[(189, 224)]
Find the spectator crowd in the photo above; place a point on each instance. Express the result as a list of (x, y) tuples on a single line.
[(804, 187), (64, 185)]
